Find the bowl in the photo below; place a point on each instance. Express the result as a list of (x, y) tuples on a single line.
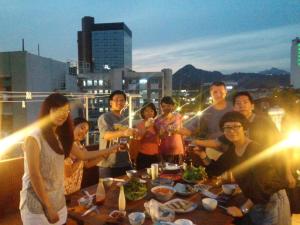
[(131, 173), (229, 189), (183, 222), (108, 181), (118, 215), (136, 218), (209, 204), (85, 201), (163, 192)]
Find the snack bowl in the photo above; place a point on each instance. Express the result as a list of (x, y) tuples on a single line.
[(229, 189), (131, 173), (163, 192), (136, 218), (209, 204), (183, 222), (118, 215), (85, 201), (108, 181)]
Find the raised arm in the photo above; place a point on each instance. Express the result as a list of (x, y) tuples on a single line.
[(32, 151), (83, 154)]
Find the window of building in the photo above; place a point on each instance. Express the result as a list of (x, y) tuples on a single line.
[(100, 91), (89, 83), (100, 109), (143, 81), (100, 82), (84, 83), (95, 82), (95, 91)]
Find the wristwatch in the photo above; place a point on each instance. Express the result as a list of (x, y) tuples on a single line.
[(244, 210)]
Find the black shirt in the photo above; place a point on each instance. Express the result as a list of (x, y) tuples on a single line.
[(258, 181)]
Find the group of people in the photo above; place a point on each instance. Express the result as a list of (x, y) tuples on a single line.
[(232, 129)]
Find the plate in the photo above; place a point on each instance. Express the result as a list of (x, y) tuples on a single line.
[(170, 166), (184, 189), (174, 177), (181, 205), (162, 181)]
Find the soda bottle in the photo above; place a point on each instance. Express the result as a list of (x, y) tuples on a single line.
[(122, 200)]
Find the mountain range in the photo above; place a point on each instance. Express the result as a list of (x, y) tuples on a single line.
[(191, 78)]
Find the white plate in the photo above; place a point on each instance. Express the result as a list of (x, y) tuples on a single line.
[(170, 166), (181, 189), (180, 210)]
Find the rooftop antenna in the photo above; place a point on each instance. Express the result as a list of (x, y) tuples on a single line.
[(23, 45)]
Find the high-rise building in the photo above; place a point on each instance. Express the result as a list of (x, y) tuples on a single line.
[(103, 46), (295, 63)]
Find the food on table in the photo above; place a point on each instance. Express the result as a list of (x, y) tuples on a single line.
[(162, 181), (135, 189), (163, 193), (181, 205), (194, 174), (184, 189), (174, 177)]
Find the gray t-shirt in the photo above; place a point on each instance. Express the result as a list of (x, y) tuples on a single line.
[(207, 125), (106, 123)]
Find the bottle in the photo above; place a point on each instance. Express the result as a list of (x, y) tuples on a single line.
[(100, 193), (122, 200)]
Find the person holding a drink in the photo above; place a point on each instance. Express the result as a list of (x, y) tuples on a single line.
[(113, 125), (168, 126), (149, 140)]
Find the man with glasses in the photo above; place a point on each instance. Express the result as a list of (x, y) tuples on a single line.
[(113, 125), (261, 129)]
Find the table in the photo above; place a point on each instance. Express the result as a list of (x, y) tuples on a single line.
[(199, 216)]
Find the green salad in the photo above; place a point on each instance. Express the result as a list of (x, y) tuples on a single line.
[(194, 174), (135, 190)]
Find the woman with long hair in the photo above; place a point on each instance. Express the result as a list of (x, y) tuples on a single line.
[(42, 199), (73, 165)]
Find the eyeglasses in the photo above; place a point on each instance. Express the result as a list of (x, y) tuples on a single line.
[(234, 128)]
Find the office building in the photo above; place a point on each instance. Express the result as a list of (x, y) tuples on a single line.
[(295, 63), (103, 46), (25, 72)]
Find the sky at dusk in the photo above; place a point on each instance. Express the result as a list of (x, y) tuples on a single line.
[(228, 35)]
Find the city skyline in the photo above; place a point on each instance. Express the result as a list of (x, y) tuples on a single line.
[(227, 36)]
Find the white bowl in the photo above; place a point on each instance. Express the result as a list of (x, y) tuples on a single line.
[(228, 189), (163, 192), (183, 222), (85, 201), (209, 204), (131, 173), (136, 218)]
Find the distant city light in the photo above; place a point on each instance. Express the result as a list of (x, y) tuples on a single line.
[(229, 87), (143, 81), (106, 67)]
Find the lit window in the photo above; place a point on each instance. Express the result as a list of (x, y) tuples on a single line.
[(95, 82), (84, 83), (123, 81), (96, 101), (143, 81), (95, 91), (106, 91), (100, 82), (100, 91), (100, 109), (106, 109), (89, 83)]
